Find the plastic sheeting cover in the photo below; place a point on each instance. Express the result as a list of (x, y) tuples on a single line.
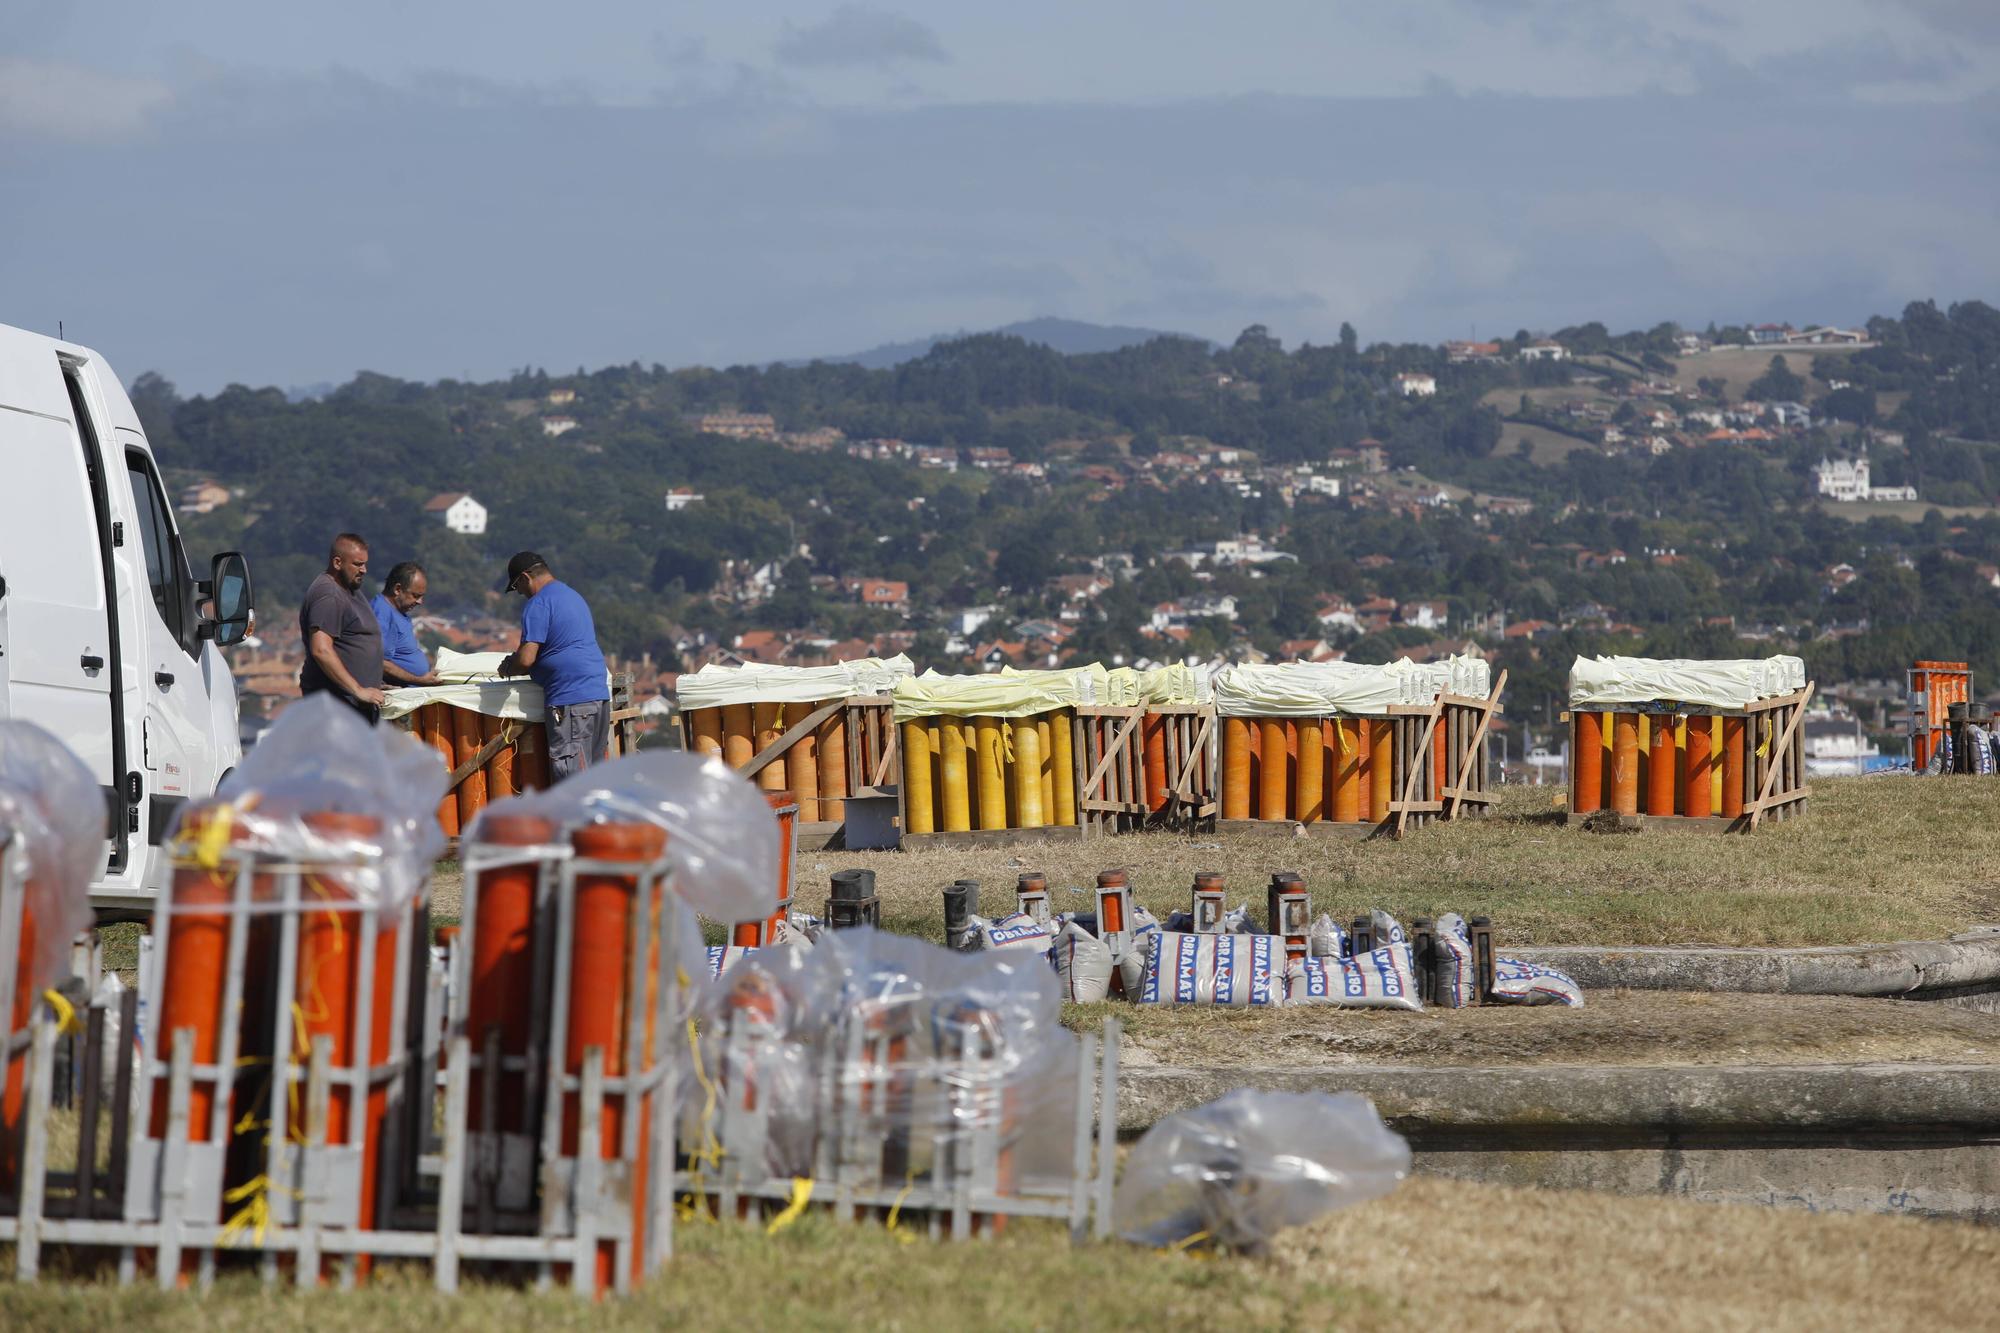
[(52, 811), (1733, 683), (1013, 693), (714, 686), (1317, 689), (722, 840), (1177, 684), (1242, 1168), (320, 758), (473, 682)]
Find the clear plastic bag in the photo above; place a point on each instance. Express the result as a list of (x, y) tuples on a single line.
[(323, 787), (722, 839), (51, 808), (1235, 1172)]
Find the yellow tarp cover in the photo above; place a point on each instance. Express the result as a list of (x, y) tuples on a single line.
[(714, 686), (1013, 693)]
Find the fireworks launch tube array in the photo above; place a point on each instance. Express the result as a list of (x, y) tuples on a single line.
[(1344, 744), (993, 753), (579, 909), (51, 833), (487, 729), (890, 1073), (1688, 740), (285, 944), (1179, 743), (829, 726)]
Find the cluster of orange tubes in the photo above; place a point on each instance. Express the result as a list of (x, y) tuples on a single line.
[(1307, 769), (814, 770), (328, 986), (1658, 764), (458, 734), (965, 773)]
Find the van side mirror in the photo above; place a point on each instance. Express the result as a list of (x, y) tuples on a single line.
[(231, 598)]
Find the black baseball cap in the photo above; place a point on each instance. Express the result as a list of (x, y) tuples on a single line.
[(522, 562)]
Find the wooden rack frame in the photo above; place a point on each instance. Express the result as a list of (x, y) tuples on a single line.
[(874, 763)]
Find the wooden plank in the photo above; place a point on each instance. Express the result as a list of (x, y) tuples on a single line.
[(1784, 742), (1486, 707), (791, 737), (1415, 765), (508, 735)]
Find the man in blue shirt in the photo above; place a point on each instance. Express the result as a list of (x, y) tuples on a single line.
[(559, 651), (403, 662)]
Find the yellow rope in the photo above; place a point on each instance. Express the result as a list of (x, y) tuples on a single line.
[(66, 1021), (802, 1192)]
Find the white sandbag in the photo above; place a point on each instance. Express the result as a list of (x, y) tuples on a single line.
[(1326, 939), (1381, 979), (1518, 982), (1388, 930), (1239, 971), (1457, 986), (1016, 930), (1083, 965)]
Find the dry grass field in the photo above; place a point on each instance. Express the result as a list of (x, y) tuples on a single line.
[(1737, 366), (1874, 859), (1434, 1251)]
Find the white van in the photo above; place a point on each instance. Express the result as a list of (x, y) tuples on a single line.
[(106, 637)]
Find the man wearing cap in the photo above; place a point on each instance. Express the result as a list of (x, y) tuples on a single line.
[(559, 651)]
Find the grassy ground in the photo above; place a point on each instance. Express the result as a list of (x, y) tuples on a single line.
[(1613, 1028), (1482, 1255), (1738, 366), (1874, 859)]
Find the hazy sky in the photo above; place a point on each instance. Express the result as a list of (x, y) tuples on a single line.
[(283, 193)]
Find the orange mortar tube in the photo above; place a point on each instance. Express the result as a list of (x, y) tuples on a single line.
[(465, 748), (1439, 760), (1696, 803), (802, 763), (831, 742), (531, 758), (1732, 767), (503, 960), (1272, 778), (191, 988), (739, 735), (16, 1094), (769, 725), (433, 726), (1586, 763), (1625, 763), (756, 934), (706, 725), (1381, 767), (601, 968), (1311, 770), (500, 783), (1661, 757), (1346, 747), (1153, 730), (1236, 768)]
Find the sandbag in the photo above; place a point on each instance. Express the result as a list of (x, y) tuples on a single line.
[(1518, 982), (1016, 930), (1145, 937), (1238, 971), (1380, 979), (1326, 939), (1457, 986), (1388, 930), (1083, 965)]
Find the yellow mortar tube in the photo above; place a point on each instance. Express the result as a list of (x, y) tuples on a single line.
[(770, 724), (739, 741), (832, 739), (917, 813), (1045, 748), (990, 762), (954, 737), (1028, 773), (1062, 757), (802, 764), (707, 726)]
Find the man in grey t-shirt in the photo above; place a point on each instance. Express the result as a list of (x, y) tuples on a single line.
[(343, 642)]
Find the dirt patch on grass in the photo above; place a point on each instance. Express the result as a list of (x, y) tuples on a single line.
[(1873, 860), (1497, 1257), (1613, 1028)]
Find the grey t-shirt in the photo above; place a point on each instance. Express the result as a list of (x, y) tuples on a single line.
[(349, 621)]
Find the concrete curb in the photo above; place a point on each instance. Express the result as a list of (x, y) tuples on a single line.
[(1970, 961), (1752, 1098)]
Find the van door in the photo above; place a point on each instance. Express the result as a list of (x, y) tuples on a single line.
[(55, 556), (176, 755)]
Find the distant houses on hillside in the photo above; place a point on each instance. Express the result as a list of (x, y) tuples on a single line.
[(459, 512)]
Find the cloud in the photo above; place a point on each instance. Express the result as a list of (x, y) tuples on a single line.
[(858, 37), (44, 99), (1974, 20)]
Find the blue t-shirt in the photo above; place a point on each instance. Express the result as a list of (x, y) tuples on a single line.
[(569, 667), (399, 638)]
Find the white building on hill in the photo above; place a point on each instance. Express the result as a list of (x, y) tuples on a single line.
[(1412, 385), (460, 512), (1846, 480)]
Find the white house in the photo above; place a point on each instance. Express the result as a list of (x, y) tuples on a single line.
[(1544, 349), (558, 425), (680, 497), (1412, 385), (460, 512), (1846, 480)]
